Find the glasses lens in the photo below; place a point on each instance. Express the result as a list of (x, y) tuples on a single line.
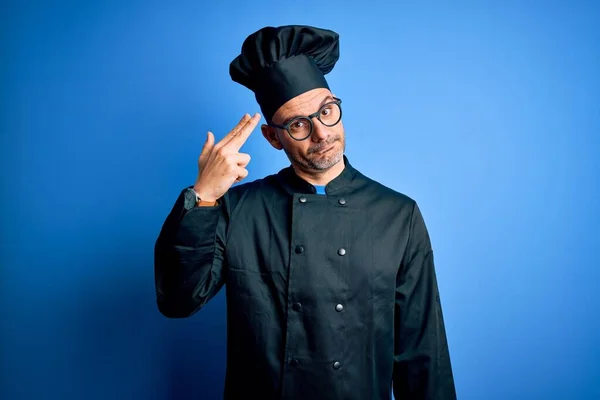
[(300, 128), (330, 114)]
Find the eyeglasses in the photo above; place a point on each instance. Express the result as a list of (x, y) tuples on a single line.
[(300, 128)]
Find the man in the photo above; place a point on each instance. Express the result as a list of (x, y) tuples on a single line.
[(329, 276)]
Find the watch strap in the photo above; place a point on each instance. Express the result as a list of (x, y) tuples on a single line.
[(203, 203)]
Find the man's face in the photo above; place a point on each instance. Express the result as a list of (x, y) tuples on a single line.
[(323, 149)]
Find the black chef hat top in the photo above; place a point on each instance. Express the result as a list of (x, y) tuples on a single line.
[(280, 63)]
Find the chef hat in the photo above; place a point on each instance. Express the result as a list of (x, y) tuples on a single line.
[(280, 63)]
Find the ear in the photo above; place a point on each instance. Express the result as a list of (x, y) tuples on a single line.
[(271, 135)]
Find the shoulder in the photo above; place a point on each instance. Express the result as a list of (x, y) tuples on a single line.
[(243, 191), (396, 203), (382, 192)]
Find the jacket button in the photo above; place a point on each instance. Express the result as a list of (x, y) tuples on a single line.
[(299, 249), (342, 201), (336, 365), (342, 251), (339, 308), (294, 362), (302, 199), (297, 306)]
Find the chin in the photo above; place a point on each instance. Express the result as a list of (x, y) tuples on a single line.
[(326, 161)]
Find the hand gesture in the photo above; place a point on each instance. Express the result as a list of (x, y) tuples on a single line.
[(222, 165)]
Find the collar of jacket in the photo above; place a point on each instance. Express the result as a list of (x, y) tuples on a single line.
[(294, 184)]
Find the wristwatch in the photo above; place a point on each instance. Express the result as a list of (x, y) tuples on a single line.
[(191, 199)]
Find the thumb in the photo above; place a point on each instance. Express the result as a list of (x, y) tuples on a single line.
[(208, 145)]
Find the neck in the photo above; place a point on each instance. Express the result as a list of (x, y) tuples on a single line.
[(321, 178)]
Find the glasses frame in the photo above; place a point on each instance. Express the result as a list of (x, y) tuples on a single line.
[(310, 117)]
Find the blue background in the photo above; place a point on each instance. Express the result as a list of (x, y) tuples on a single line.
[(487, 113)]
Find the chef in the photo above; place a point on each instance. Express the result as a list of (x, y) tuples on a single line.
[(329, 275)]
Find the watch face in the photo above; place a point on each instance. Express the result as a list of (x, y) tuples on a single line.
[(189, 199)]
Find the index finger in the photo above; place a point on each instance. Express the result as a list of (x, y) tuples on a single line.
[(242, 135), (227, 138)]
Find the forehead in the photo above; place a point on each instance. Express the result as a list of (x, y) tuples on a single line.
[(306, 103)]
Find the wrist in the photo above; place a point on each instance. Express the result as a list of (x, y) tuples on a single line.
[(203, 199), (203, 203)]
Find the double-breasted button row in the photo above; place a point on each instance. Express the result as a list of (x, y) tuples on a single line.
[(298, 307), (336, 364), (341, 200), (299, 249)]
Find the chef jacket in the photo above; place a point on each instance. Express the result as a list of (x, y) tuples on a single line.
[(328, 296)]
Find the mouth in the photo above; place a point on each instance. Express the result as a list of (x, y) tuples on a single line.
[(326, 149)]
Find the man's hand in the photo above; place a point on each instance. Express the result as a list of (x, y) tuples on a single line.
[(222, 165)]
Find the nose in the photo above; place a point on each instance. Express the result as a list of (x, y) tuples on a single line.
[(319, 132)]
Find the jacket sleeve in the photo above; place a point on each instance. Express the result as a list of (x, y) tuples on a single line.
[(422, 368), (189, 258)]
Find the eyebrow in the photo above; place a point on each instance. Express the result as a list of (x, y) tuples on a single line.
[(327, 99)]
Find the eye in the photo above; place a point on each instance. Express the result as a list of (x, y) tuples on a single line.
[(325, 111), (298, 125)]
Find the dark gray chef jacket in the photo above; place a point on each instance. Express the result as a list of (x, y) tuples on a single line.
[(328, 296)]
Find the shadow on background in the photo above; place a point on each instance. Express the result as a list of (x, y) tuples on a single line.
[(104, 338), (137, 353)]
